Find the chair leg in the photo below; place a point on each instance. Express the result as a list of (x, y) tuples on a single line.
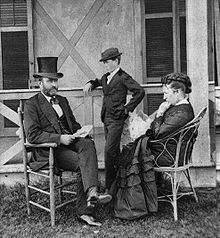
[(28, 199), (52, 200), (190, 182), (27, 190), (60, 189), (175, 208), (174, 188)]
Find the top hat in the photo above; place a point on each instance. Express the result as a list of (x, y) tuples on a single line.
[(47, 67), (109, 54)]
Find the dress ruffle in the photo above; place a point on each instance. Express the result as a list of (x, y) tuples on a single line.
[(136, 194)]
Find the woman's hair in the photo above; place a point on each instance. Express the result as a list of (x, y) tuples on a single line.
[(178, 81)]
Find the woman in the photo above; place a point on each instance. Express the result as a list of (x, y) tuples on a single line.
[(135, 186), (172, 114)]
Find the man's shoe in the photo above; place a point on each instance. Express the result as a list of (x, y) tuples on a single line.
[(104, 198), (92, 197), (89, 220), (92, 201)]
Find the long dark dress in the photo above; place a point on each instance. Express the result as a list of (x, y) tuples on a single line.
[(135, 187), (135, 192)]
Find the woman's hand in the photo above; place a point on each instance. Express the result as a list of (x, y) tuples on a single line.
[(162, 108)]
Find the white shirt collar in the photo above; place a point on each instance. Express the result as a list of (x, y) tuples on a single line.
[(184, 101), (112, 74), (56, 107)]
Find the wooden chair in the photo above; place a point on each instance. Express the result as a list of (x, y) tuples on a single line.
[(55, 181), (182, 161)]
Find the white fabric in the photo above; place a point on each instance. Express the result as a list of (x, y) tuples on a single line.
[(136, 125), (184, 101)]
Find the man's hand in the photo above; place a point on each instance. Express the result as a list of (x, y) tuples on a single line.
[(162, 108), (87, 89), (66, 139)]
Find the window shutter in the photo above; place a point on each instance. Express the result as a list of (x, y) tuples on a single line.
[(15, 65), (15, 60), (158, 6), (183, 45), (13, 13), (159, 47)]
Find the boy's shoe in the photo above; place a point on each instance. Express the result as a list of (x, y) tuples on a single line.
[(93, 197), (104, 198)]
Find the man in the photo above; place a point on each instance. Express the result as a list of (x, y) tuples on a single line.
[(49, 118), (115, 83)]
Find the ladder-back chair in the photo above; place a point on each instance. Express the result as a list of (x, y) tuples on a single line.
[(55, 189), (184, 139)]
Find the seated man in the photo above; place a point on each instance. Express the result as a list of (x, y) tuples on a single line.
[(49, 118)]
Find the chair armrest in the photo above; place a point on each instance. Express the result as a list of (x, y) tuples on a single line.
[(46, 145)]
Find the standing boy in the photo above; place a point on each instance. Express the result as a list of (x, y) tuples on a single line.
[(115, 84)]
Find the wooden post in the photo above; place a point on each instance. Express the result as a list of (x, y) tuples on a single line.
[(89, 112), (217, 36), (197, 67)]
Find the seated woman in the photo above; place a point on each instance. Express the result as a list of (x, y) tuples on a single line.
[(134, 190), (172, 114)]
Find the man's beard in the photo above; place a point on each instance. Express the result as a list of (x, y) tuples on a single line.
[(50, 92)]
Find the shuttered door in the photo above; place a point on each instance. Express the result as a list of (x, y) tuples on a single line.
[(159, 47), (183, 45), (14, 49), (15, 60), (161, 44), (15, 65)]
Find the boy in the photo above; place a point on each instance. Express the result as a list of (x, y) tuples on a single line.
[(115, 84)]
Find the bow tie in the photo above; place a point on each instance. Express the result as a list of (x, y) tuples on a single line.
[(54, 100)]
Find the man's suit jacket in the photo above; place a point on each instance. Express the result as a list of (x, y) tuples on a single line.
[(174, 118), (115, 93), (41, 125)]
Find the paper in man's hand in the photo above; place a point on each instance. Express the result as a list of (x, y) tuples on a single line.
[(84, 131)]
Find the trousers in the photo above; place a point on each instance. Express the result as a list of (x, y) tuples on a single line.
[(113, 130), (80, 156)]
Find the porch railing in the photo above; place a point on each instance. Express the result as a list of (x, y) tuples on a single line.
[(23, 94)]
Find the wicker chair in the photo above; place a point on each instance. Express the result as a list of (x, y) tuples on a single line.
[(55, 180), (185, 136)]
